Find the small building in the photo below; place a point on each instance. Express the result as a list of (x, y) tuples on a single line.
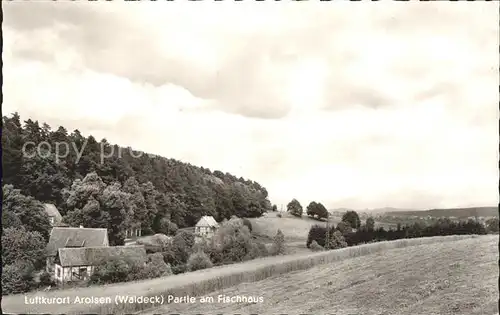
[(72, 237), (55, 216), (77, 264), (206, 227)]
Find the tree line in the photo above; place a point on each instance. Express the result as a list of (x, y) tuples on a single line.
[(161, 188)]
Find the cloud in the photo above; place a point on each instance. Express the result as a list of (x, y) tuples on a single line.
[(355, 106)]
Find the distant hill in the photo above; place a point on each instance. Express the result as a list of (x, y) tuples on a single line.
[(453, 212)]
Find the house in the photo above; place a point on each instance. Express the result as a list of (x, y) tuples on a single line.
[(72, 237), (55, 217), (75, 264), (206, 227)]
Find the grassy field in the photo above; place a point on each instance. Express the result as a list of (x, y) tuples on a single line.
[(458, 277), (204, 281), (295, 229)]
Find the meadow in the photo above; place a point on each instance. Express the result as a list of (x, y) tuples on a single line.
[(224, 277), (295, 229)]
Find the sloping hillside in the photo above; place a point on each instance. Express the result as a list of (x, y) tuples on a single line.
[(294, 228), (459, 277), (456, 212)]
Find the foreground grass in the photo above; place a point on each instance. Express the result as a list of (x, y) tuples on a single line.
[(442, 278), (201, 282)]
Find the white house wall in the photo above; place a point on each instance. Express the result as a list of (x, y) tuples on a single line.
[(64, 274)]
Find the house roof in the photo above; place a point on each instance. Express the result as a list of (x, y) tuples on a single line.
[(52, 211), (92, 256), (207, 221), (70, 236)]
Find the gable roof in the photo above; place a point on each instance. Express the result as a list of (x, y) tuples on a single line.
[(93, 256), (70, 236), (207, 221), (52, 211)]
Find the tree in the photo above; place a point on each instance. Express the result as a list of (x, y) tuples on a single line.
[(198, 260), (275, 208), (248, 224), (294, 208), (317, 209), (20, 210), (19, 245), (94, 204), (352, 219), (370, 224), (492, 225), (337, 240), (344, 228), (278, 247), (17, 278)]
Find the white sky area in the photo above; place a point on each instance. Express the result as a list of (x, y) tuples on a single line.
[(358, 105)]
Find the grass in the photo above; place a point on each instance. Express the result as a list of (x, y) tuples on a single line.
[(204, 281), (440, 278), (294, 228)]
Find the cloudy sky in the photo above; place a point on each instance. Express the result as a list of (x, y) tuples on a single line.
[(358, 105)]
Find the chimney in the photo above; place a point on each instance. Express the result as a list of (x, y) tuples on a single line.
[(81, 226)]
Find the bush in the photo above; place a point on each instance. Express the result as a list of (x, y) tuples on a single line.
[(232, 242), (278, 247), (155, 268), (279, 215), (179, 269), (112, 271), (315, 246), (46, 279), (316, 233), (337, 240), (248, 224), (167, 227), (17, 278), (198, 261)]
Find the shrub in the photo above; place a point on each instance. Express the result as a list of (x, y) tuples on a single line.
[(315, 246), (198, 261), (17, 278), (232, 241), (316, 233), (278, 247), (179, 269), (337, 240), (248, 224), (112, 271), (263, 252), (46, 279), (155, 267), (279, 215)]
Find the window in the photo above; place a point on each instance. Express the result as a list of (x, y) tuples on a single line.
[(58, 272), (82, 272)]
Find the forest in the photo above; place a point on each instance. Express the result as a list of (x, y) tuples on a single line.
[(98, 184)]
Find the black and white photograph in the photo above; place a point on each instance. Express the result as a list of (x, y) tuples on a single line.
[(250, 157)]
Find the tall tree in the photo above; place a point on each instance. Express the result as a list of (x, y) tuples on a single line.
[(294, 208)]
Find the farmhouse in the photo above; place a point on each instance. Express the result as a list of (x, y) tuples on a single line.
[(54, 216), (206, 227), (74, 264), (71, 237)]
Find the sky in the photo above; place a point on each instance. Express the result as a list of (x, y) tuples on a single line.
[(356, 105)]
